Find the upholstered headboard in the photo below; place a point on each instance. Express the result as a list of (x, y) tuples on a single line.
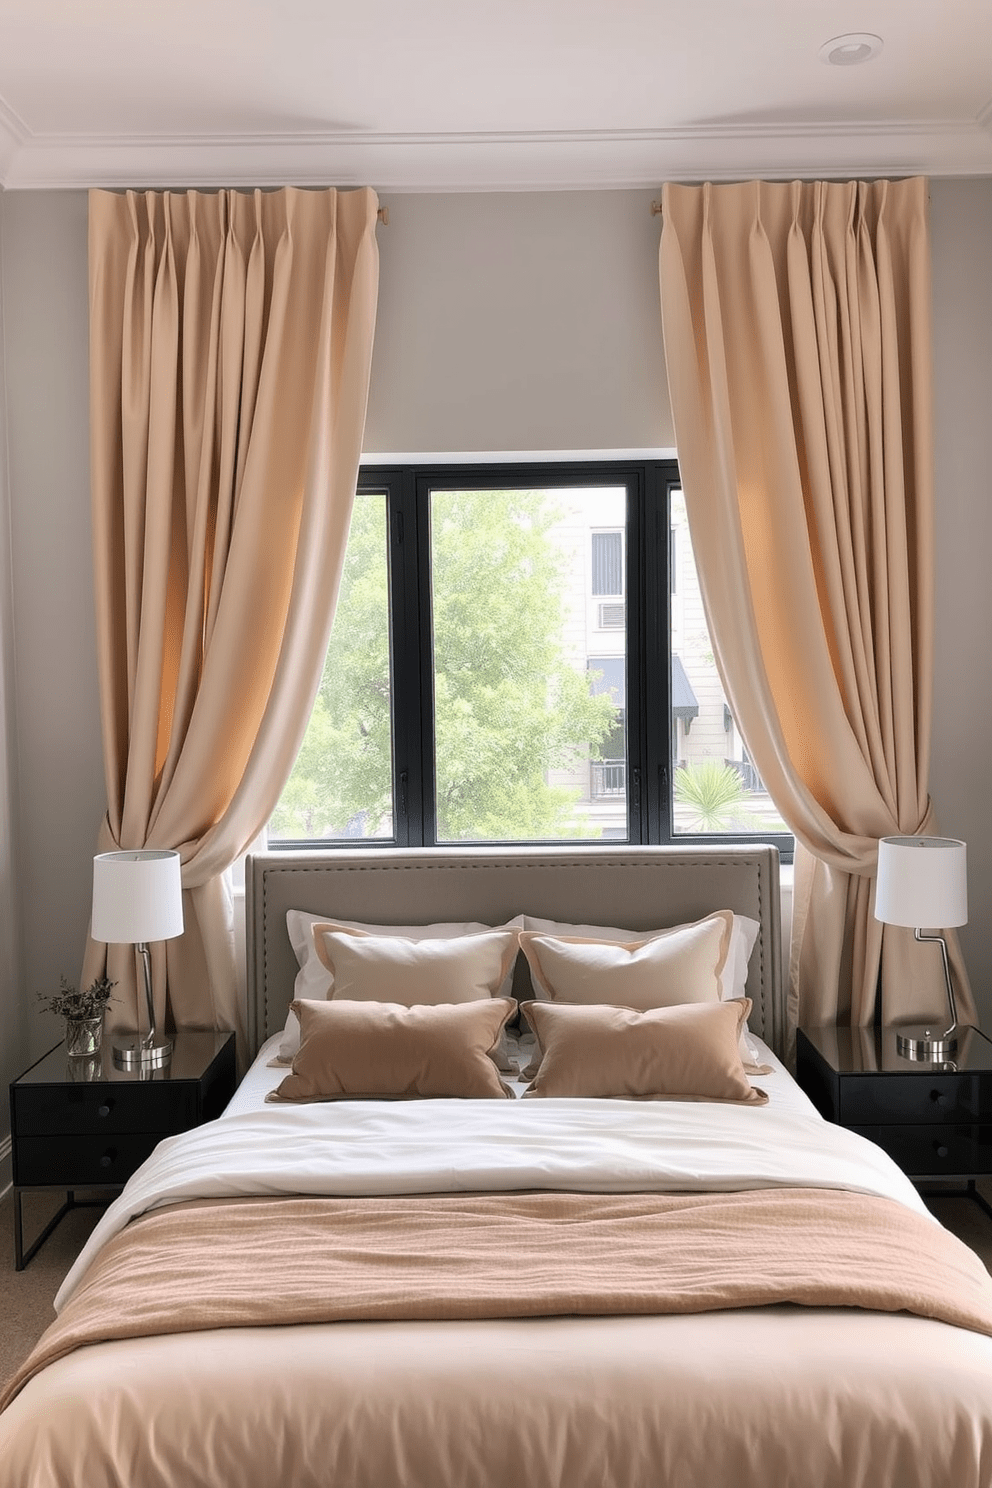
[(640, 888)]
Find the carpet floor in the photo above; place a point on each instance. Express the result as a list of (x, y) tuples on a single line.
[(28, 1294)]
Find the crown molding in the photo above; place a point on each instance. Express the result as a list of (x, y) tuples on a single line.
[(545, 161)]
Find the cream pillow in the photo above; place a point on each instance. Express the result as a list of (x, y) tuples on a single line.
[(733, 977), (391, 968), (315, 982), (686, 1052), (682, 966), (312, 980), (387, 1051)]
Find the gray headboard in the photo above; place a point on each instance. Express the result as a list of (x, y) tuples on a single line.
[(640, 888)]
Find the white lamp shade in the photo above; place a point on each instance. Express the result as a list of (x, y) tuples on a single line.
[(922, 882), (137, 897)]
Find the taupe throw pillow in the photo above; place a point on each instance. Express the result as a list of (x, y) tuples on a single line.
[(687, 1052), (384, 1050)]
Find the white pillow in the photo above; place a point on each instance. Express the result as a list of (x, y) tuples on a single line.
[(315, 983)]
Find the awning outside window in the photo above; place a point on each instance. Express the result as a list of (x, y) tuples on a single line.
[(684, 703), (609, 674)]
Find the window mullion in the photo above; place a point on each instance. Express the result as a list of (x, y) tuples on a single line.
[(408, 783), (426, 735), (655, 635)]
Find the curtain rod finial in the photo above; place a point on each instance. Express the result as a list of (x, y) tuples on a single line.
[(656, 208), (383, 216)]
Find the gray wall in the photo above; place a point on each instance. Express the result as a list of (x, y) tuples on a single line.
[(520, 322), (960, 776), (13, 1005), (60, 791)]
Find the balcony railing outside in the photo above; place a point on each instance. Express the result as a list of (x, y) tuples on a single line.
[(608, 779), (750, 779)]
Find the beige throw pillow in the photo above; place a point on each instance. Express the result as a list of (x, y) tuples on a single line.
[(687, 1052), (383, 1050)]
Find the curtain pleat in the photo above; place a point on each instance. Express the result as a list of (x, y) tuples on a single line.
[(797, 337), (230, 351)]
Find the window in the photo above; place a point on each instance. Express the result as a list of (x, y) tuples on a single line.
[(607, 563), (513, 659)]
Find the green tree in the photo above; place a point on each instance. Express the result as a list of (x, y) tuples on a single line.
[(341, 783), (509, 705)]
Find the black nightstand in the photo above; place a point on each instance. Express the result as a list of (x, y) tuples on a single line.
[(80, 1123), (935, 1120)]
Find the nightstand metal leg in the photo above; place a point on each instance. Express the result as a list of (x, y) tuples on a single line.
[(979, 1198), (22, 1256)]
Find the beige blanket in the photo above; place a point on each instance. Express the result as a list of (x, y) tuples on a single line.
[(261, 1261)]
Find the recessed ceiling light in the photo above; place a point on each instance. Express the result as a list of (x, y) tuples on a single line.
[(850, 50)]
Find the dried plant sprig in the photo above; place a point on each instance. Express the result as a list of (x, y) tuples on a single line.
[(69, 1002)]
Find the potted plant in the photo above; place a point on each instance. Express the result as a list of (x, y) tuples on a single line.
[(83, 1012)]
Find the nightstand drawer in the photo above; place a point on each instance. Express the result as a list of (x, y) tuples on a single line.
[(932, 1151), (913, 1098), (51, 1110), (80, 1162)]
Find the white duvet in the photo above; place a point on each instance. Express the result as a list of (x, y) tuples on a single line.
[(449, 1146)]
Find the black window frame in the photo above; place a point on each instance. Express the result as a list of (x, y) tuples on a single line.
[(648, 578)]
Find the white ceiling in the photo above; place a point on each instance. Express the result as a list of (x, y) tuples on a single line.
[(444, 95)]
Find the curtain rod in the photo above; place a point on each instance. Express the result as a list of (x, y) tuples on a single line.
[(383, 216)]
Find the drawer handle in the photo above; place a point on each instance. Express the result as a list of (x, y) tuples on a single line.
[(109, 1158), (105, 1109), (938, 1097), (940, 1149)]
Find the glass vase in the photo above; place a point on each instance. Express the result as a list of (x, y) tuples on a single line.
[(83, 1036), (83, 1067)]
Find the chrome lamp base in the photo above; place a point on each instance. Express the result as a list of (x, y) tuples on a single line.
[(923, 1044), (920, 1042), (144, 1050), (136, 1050)]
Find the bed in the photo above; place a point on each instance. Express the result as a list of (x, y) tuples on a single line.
[(570, 1290)]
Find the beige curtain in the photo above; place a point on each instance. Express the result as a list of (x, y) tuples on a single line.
[(230, 346), (797, 337)]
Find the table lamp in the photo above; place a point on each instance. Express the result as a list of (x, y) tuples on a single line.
[(138, 897), (922, 881)]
